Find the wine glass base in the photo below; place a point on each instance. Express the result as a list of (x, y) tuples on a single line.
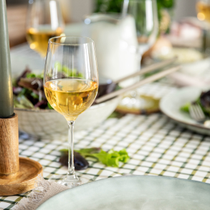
[(70, 181)]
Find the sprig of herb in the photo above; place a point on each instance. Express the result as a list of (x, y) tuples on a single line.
[(110, 158)]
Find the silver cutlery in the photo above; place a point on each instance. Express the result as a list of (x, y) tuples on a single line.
[(198, 115)]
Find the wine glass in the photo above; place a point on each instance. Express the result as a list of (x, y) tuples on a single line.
[(203, 14), (203, 10), (145, 15), (71, 85), (44, 20)]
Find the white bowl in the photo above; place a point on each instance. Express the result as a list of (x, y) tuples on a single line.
[(49, 123), (193, 62)]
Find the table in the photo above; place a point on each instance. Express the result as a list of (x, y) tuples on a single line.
[(157, 146)]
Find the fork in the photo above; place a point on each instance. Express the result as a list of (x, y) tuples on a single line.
[(198, 115)]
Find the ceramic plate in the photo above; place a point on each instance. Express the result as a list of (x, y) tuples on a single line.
[(171, 103), (132, 193)]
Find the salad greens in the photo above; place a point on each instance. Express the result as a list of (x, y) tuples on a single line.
[(110, 158), (68, 72), (33, 75), (22, 102), (203, 100), (28, 88)]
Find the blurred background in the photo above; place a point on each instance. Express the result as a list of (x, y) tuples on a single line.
[(74, 11), (128, 35)]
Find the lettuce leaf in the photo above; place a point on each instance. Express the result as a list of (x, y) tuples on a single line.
[(22, 102), (110, 158)]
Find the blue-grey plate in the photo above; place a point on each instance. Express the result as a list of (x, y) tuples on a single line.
[(132, 193)]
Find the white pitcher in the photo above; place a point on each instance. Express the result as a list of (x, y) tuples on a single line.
[(116, 45)]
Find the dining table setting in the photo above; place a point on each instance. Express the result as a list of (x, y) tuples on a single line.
[(109, 113)]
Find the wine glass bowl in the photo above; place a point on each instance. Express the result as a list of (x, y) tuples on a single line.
[(71, 84), (70, 98), (44, 21), (203, 14), (145, 14), (203, 10)]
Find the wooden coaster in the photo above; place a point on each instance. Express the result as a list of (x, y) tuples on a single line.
[(22, 181)]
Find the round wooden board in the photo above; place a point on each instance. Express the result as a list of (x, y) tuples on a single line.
[(22, 181)]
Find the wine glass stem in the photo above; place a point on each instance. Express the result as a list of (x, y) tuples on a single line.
[(71, 168)]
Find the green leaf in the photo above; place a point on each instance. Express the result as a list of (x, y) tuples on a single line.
[(110, 158), (18, 105), (185, 107), (30, 75), (22, 102), (63, 151), (33, 75), (49, 106), (116, 115), (206, 110), (34, 95), (102, 156), (67, 71), (58, 66), (24, 91), (88, 150), (124, 156)]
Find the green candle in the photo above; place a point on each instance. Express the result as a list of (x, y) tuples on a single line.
[(6, 94)]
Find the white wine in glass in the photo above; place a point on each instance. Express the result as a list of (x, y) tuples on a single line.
[(70, 97), (44, 21), (71, 85), (203, 10)]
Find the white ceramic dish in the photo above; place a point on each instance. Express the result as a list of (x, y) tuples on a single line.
[(133, 193), (196, 68), (196, 63), (49, 123), (171, 103)]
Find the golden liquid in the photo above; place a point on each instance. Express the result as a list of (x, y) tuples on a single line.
[(38, 39), (203, 10), (70, 97)]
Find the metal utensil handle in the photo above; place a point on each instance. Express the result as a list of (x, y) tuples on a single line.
[(148, 69), (138, 84)]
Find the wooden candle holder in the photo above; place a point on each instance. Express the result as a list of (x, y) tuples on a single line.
[(17, 174)]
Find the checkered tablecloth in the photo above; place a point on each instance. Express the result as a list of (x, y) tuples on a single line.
[(156, 145)]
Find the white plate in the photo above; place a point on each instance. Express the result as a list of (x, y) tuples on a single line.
[(195, 60), (133, 193), (171, 103)]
